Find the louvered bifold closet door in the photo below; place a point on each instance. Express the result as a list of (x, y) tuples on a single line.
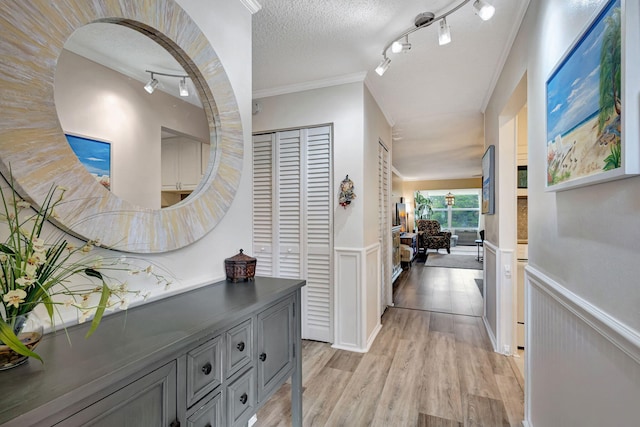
[(384, 206), (289, 199), (317, 307), (263, 204)]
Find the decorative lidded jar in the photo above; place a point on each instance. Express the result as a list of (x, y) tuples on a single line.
[(240, 267)]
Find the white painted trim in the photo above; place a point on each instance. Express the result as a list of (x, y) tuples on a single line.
[(492, 337), (379, 100), (373, 336), (316, 84), (619, 334), (524, 5), (252, 5), (355, 327)]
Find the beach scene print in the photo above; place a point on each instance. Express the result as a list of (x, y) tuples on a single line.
[(584, 104), (95, 156)]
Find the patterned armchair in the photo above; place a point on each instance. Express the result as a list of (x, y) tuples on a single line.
[(431, 237)]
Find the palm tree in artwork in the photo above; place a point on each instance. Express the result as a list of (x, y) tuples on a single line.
[(610, 69), (610, 88)]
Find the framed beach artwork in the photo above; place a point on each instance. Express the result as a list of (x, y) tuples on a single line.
[(592, 122), (488, 181), (95, 156)]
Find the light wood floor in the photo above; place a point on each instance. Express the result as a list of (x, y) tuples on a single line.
[(424, 369), (445, 290)]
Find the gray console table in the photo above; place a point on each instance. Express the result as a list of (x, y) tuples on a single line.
[(207, 357)]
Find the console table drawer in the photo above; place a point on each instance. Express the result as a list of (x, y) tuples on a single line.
[(241, 399), (239, 347), (204, 370), (209, 415)]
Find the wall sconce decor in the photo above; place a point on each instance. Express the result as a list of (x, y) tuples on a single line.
[(346, 192)]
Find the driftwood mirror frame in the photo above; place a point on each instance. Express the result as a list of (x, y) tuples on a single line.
[(34, 149)]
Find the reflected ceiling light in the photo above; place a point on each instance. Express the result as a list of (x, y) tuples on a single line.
[(153, 83), (444, 32), (383, 66), (182, 86), (401, 43), (484, 10)]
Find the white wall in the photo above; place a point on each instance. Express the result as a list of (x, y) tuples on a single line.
[(583, 250), (227, 25), (358, 125), (99, 103), (341, 106)]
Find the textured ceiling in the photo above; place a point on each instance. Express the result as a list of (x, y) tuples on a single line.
[(434, 95)]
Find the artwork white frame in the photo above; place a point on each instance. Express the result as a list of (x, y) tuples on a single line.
[(630, 92)]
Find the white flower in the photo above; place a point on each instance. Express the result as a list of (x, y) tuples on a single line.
[(97, 263), (84, 315), (69, 302), (38, 244), (30, 269), (124, 304), (14, 297), (87, 248), (25, 281), (22, 204), (3, 258), (149, 270)]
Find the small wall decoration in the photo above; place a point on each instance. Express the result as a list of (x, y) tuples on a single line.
[(488, 181), (346, 192), (95, 156), (589, 91)]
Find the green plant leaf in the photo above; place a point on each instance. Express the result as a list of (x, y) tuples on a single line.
[(6, 249), (104, 298), (93, 273), (13, 342)]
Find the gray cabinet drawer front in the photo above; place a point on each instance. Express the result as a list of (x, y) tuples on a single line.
[(239, 341), (275, 346), (147, 402), (241, 399), (204, 370), (209, 415)]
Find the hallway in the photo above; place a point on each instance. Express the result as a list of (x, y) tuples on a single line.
[(424, 369)]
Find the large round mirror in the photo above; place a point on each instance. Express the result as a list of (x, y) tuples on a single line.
[(132, 115), (35, 150)]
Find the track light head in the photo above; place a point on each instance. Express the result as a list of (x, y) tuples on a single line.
[(152, 85), (383, 66), (444, 32), (182, 86), (483, 9), (401, 47)]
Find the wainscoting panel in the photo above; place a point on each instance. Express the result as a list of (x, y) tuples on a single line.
[(582, 365), (357, 293), (490, 289)]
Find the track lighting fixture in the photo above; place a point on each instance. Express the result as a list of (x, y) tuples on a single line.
[(401, 43), (444, 32), (484, 10), (182, 87), (383, 66), (398, 46), (153, 83)]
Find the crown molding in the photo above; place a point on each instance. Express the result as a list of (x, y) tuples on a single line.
[(252, 5), (315, 84), (379, 100), (517, 23)]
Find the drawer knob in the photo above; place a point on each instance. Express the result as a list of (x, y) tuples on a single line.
[(263, 357), (240, 346), (243, 398), (206, 369)]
